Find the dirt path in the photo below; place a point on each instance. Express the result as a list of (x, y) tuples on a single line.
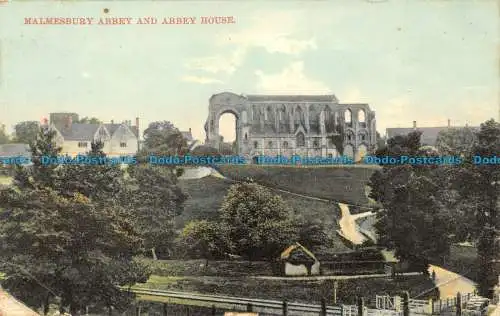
[(449, 283), (9, 306), (348, 227)]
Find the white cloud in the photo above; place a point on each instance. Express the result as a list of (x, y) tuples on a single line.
[(278, 36), (85, 75), (273, 31), (218, 63), (200, 80), (291, 80)]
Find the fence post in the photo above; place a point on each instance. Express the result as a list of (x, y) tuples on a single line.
[(440, 305), (459, 304), (361, 306), (431, 305), (165, 309), (249, 307), (213, 310), (138, 310), (285, 308), (341, 310), (323, 307), (406, 304), (188, 310)]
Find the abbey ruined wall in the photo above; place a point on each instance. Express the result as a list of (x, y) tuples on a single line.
[(305, 125)]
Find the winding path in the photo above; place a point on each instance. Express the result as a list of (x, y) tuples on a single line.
[(449, 283)]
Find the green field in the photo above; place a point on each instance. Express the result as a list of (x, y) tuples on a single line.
[(206, 196), (343, 184)]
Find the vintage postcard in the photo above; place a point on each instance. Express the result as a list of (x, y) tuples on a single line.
[(337, 157)]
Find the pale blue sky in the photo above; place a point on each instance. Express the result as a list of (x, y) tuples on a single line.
[(410, 60)]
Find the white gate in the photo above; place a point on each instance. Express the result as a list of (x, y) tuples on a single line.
[(388, 302)]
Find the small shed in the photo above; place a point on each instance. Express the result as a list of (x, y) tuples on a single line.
[(297, 260)]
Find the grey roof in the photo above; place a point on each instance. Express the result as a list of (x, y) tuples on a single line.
[(291, 98), (12, 150), (79, 131), (187, 135), (429, 134), (113, 127), (86, 132)]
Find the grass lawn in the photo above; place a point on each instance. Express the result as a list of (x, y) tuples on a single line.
[(343, 184), (206, 196), (462, 260)]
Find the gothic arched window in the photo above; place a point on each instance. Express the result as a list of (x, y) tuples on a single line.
[(285, 144), (348, 116), (256, 145), (270, 145), (361, 116), (301, 140)]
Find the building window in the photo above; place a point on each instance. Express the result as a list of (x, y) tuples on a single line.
[(316, 143), (123, 145), (285, 145), (82, 144), (330, 155), (362, 137), (361, 116), (246, 136), (270, 144), (255, 144), (301, 140)]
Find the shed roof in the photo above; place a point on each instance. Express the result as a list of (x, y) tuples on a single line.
[(288, 251)]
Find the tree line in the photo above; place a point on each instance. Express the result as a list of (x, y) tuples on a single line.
[(71, 235), (426, 208)]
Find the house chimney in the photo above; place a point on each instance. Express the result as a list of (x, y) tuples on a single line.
[(69, 122), (138, 134), (112, 122), (414, 124), (190, 130), (449, 123)]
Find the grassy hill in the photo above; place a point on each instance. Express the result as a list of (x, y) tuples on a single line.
[(346, 184), (206, 195)]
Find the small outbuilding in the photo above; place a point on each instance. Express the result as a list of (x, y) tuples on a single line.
[(297, 260)]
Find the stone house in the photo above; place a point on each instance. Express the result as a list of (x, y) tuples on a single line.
[(120, 139)]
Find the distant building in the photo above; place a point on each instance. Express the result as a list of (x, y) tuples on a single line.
[(76, 138), (429, 134), (191, 142), (298, 260), (287, 125), (14, 150)]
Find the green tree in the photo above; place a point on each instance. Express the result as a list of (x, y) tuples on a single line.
[(311, 233), (204, 239), (66, 240), (414, 220), (480, 183), (164, 138), (456, 141), (40, 175), (26, 132), (260, 224), (67, 247), (89, 120), (4, 137), (155, 199)]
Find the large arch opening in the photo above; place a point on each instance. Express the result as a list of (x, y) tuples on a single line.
[(228, 123)]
